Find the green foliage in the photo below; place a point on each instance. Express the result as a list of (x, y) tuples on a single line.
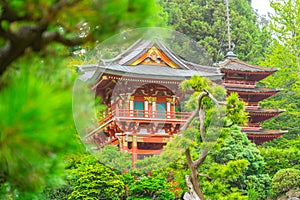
[(60, 193), (283, 143), (73, 21), (36, 130), (234, 105), (172, 152), (235, 109), (237, 147), (195, 83), (258, 186), (284, 54), (219, 190), (285, 180), (218, 185), (277, 158), (92, 180), (150, 188), (111, 157), (205, 22), (113, 17), (234, 167), (230, 170)]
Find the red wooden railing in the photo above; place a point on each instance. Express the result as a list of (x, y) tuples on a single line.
[(123, 114), (146, 114)]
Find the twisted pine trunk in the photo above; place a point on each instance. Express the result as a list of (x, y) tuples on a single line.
[(192, 181)]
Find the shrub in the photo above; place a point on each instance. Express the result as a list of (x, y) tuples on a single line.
[(285, 180)]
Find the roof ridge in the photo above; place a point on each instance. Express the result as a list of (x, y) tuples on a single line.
[(119, 56), (171, 54), (255, 89), (266, 109), (265, 131), (143, 48), (253, 66), (222, 63)]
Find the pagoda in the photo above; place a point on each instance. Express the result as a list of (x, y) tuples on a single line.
[(140, 88), (241, 77)]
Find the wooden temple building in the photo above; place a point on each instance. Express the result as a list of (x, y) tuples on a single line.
[(141, 89), (242, 77)]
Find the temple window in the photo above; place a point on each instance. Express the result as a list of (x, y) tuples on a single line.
[(139, 108), (161, 109)]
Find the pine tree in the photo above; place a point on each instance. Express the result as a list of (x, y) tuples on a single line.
[(205, 22)]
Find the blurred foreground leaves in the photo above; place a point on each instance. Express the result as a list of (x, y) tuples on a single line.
[(36, 129)]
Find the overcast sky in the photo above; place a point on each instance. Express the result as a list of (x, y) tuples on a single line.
[(263, 6)]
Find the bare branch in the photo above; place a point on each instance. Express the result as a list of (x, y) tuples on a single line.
[(205, 175), (188, 157), (202, 116), (7, 34), (201, 159), (215, 101), (191, 118), (11, 15)]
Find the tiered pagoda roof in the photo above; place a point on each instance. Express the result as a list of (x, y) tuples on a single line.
[(234, 64), (241, 77)]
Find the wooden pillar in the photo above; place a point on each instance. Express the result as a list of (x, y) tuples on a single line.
[(125, 144), (173, 110), (150, 109), (153, 109), (134, 149), (131, 108), (146, 112), (168, 110)]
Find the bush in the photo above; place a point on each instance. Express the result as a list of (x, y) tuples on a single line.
[(285, 180), (92, 180), (150, 188), (277, 159)]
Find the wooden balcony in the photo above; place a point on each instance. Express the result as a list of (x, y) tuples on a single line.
[(150, 116), (166, 123)]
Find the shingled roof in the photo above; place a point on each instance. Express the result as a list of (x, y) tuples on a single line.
[(122, 64), (254, 90), (231, 62), (265, 111), (145, 71)]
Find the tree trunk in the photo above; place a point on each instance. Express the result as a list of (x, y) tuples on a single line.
[(193, 181), (192, 195), (193, 184)]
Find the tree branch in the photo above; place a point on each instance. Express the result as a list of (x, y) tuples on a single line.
[(195, 113), (48, 37), (205, 175), (6, 34), (33, 37), (202, 116), (11, 15), (188, 157), (201, 159)]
